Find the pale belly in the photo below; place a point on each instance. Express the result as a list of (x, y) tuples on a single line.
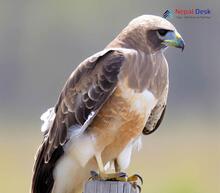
[(120, 121)]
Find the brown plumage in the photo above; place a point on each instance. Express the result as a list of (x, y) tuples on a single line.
[(105, 105)]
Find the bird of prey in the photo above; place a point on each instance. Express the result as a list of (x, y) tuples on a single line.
[(109, 101)]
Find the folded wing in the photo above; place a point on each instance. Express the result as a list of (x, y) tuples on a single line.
[(84, 93)]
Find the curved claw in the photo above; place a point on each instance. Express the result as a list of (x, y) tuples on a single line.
[(135, 178), (136, 186), (139, 188), (90, 178), (140, 178)]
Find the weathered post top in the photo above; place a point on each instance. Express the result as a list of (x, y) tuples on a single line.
[(96, 186)]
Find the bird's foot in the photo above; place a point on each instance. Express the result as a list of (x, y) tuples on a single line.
[(120, 176), (136, 180)]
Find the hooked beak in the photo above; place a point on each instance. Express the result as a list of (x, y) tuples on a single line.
[(174, 39)]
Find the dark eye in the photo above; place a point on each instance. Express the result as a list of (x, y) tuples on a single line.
[(162, 32)]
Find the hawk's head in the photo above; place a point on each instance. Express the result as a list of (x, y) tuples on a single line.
[(151, 33)]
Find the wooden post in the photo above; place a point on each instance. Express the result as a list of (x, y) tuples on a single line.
[(96, 186)]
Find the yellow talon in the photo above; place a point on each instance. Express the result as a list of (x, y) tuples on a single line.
[(135, 178)]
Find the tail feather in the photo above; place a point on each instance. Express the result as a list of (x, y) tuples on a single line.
[(42, 181)]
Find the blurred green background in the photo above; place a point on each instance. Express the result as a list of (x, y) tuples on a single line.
[(42, 41)]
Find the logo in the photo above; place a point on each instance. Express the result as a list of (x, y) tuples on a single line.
[(168, 14), (187, 13)]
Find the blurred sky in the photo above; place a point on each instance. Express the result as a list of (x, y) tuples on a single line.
[(42, 41)]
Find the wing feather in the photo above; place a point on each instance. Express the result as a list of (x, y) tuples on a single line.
[(154, 123), (157, 114), (84, 93)]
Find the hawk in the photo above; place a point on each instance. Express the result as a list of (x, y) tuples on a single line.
[(108, 102)]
